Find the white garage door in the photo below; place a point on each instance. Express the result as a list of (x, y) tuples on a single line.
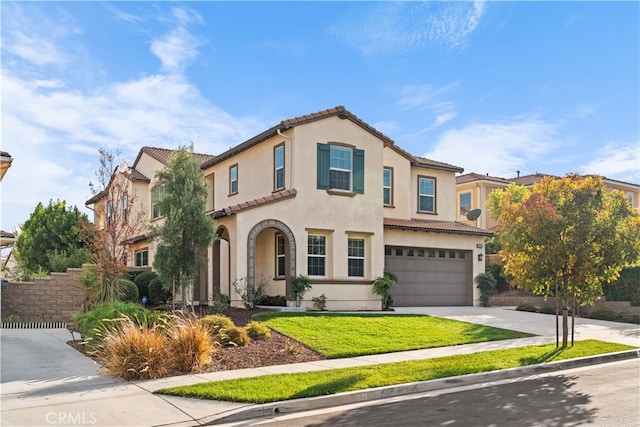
[(430, 277)]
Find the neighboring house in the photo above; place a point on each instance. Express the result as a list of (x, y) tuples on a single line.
[(7, 239), (328, 196), (473, 190), (5, 163)]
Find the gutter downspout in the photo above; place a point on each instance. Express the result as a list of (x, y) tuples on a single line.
[(291, 155)]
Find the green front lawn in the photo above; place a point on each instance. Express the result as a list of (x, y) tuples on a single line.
[(275, 388), (337, 335)]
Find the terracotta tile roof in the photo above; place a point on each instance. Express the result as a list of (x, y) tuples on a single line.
[(95, 198), (4, 154), (271, 198), (136, 175), (471, 177), (434, 226), (424, 162), (338, 111), (163, 155), (528, 180), (7, 235)]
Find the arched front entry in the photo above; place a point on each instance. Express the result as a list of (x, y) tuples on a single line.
[(290, 251)]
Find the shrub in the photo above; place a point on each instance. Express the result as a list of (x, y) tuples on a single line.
[(547, 309), (190, 345), (526, 306), (487, 285), (272, 300), (320, 303), (603, 313), (158, 294), (143, 280), (382, 287), (220, 303), (217, 322), (94, 323), (128, 291), (233, 336), (257, 330), (131, 352), (626, 288), (630, 318), (300, 285)]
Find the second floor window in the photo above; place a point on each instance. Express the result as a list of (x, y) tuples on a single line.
[(125, 207), (157, 195), (387, 186), (278, 167), (465, 203), (233, 179), (340, 168), (426, 194)]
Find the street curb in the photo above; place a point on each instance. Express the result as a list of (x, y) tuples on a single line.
[(306, 404)]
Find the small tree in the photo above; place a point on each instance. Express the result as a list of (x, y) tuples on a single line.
[(187, 231), (382, 287), (487, 285), (51, 239), (300, 286), (118, 223), (566, 238)]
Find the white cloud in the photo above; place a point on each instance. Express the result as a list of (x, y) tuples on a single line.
[(497, 148), (53, 128), (616, 161), (399, 27)]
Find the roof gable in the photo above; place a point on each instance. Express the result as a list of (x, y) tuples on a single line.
[(338, 111)]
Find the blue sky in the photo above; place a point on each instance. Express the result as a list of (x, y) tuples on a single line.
[(493, 87)]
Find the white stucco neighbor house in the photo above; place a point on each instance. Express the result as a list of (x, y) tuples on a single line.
[(328, 196)]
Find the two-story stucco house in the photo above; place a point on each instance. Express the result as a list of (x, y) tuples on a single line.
[(327, 196), (473, 190)]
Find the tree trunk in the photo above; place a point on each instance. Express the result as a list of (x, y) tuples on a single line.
[(565, 326)]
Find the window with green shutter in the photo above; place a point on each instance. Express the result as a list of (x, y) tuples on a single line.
[(340, 168)]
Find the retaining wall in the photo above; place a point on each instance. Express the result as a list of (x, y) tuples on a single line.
[(54, 298)]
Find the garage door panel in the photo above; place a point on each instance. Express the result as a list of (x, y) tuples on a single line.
[(430, 281)]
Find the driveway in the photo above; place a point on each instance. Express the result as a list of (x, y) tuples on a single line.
[(46, 382)]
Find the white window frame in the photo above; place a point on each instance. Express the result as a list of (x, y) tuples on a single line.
[(387, 187), (358, 257), (320, 256), (340, 148), (278, 167), (280, 256), (460, 210), (421, 195), (140, 253)]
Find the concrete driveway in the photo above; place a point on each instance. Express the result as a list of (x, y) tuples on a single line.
[(45, 382)]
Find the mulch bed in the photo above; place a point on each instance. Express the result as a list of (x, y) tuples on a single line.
[(277, 350)]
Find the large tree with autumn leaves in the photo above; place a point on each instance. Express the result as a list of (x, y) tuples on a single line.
[(566, 238)]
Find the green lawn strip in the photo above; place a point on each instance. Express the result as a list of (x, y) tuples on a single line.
[(337, 335), (275, 388)]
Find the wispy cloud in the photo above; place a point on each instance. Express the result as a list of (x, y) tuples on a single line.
[(617, 161), (45, 118), (431, 101), (499, 148), (400, 27), (178, 47)]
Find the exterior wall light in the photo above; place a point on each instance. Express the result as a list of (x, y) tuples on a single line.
[(480, 257)]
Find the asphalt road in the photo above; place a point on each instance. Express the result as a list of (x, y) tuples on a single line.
[(599, 395)]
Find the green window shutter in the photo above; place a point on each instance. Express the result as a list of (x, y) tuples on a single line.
[(323, 166), (358, 171)]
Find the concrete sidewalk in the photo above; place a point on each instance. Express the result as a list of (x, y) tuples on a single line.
[(45, 382)]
